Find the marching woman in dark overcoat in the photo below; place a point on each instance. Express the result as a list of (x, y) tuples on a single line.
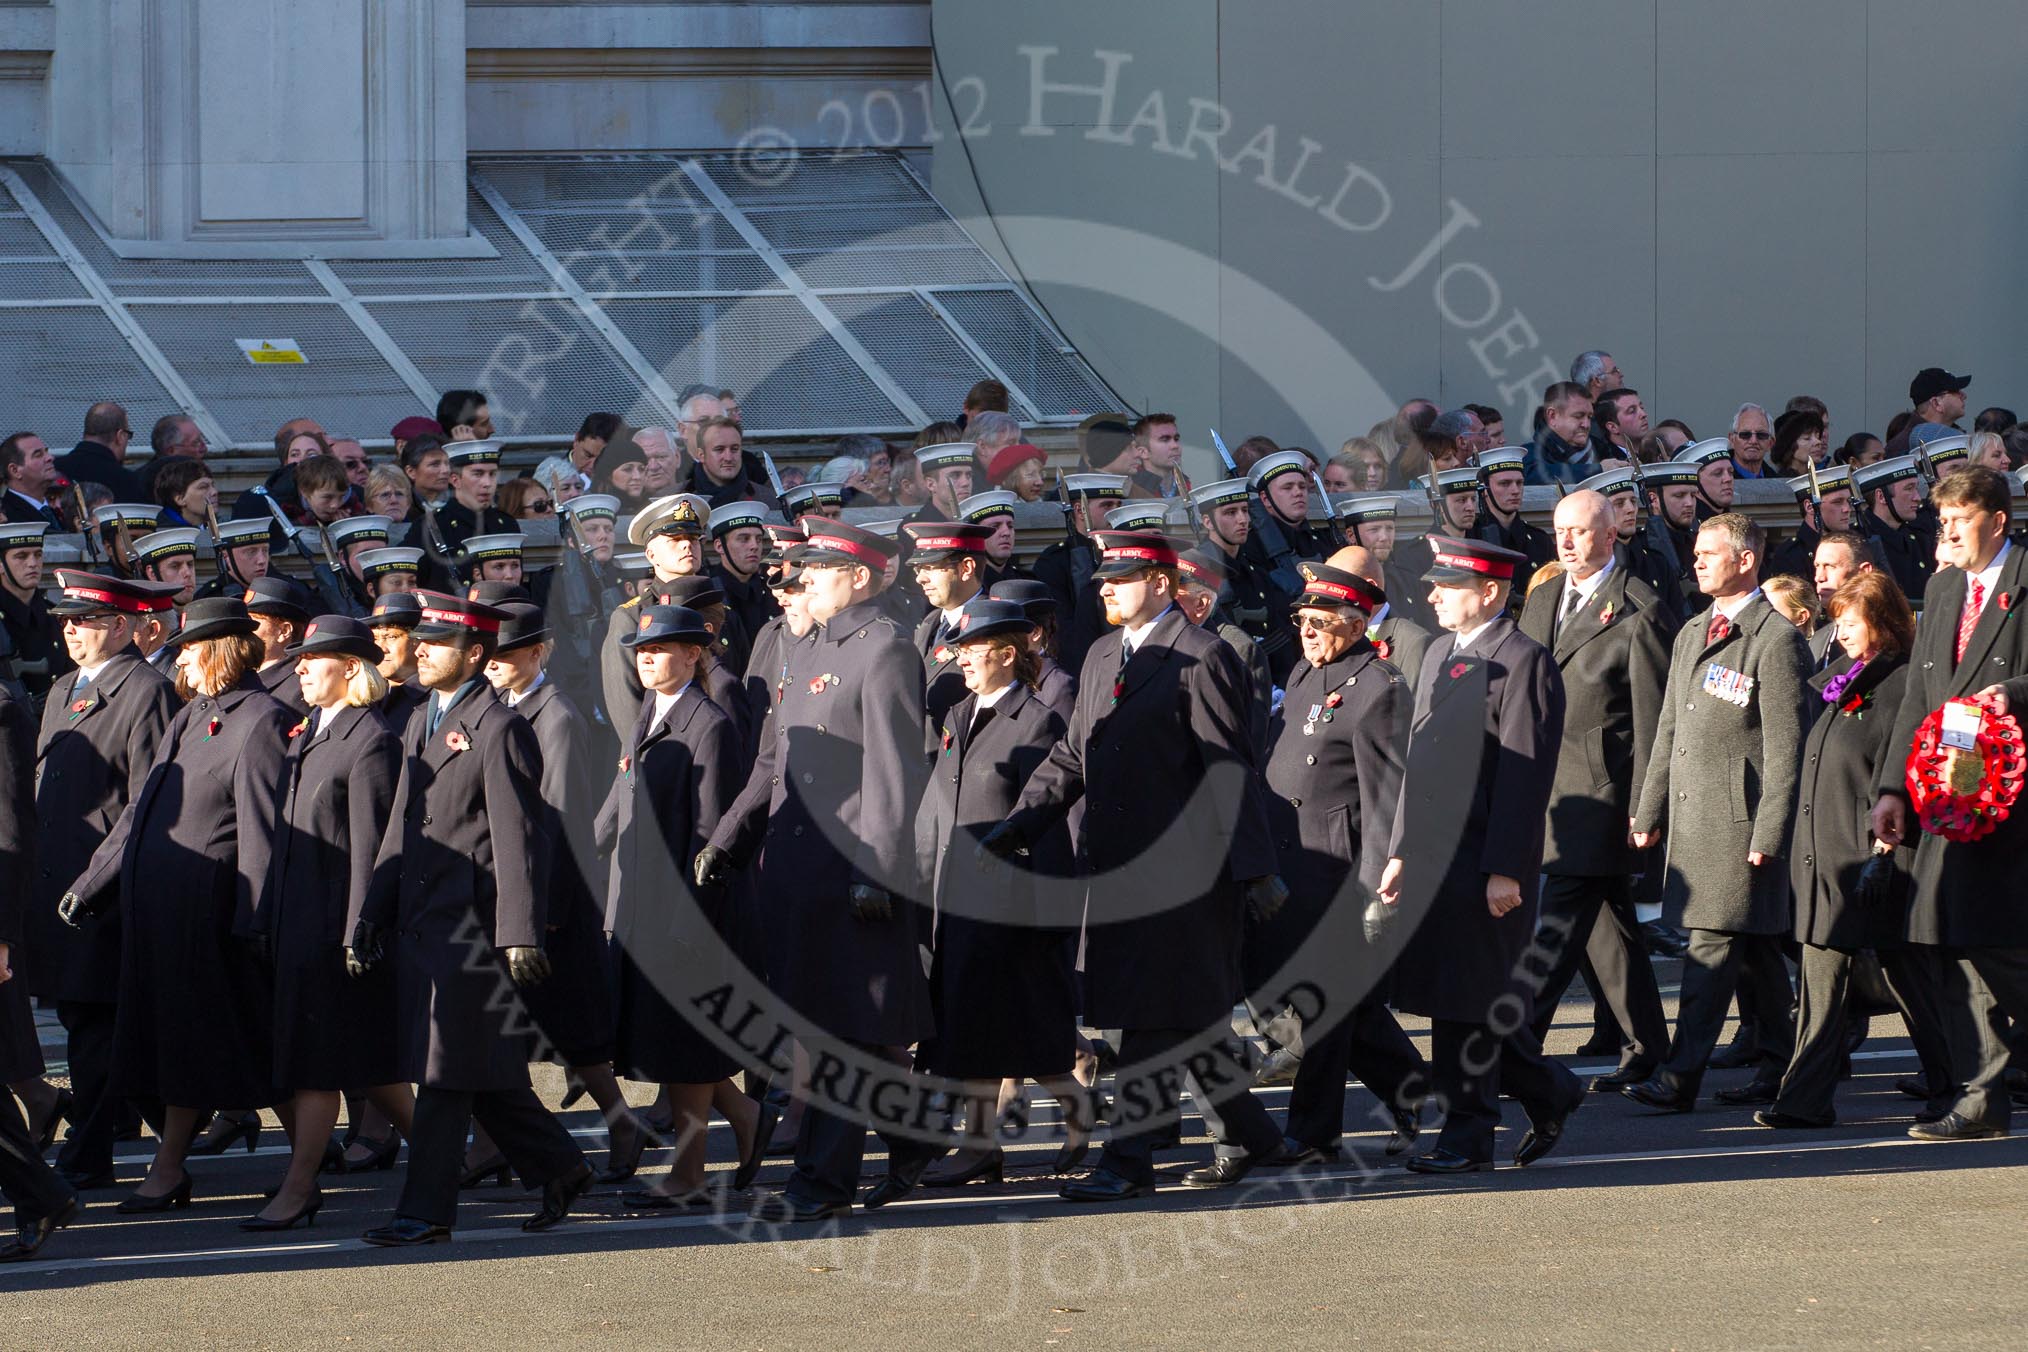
[(680, 769), (574, 1007), (1001, 986), (1836, 919), (189, 863), (332, 1032)]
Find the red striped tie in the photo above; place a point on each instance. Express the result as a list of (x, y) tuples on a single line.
[(1968, 618)]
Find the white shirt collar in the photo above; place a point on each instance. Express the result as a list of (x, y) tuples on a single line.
[(1730, 609), (1989, 576), (92, 673), (988, 701), (1135, 635), (1588, 588), (514, 697), (1466, 639), (40, 504), (324, 717), (664, 703)]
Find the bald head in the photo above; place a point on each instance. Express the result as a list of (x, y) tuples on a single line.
[(1585, 525), (1359, 562)]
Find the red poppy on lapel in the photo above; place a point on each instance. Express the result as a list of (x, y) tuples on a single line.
[(1334, 699), (1459, 668), (211, 729), (947, 737), (300, 728), (626, 765), (1606, 616), (2006, 600), (1384, 648), (77, 709), (456, 740)]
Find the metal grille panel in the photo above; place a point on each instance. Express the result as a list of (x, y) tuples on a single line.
[(20, 239), (788, 370), (879, 267), (840, 227), (56, 362), (778, 181), (345, 385), (905, 337), (1061, 385), (39, 281), (542, 367)]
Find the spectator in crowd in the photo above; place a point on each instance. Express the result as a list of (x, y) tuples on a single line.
[(849, 471), (563, 479), (991, 432), (1105, 445), (1452, 439), (988, 396), (464, 416), (323, 491), (1161, 473), (593, 434), (408, 429), (699, 403), (1410, 421), (622, 470), (1989, 449), (524, 499), (1798, 444), (728, 407), (1994, 419), (1808, 403), (1492, 420), (909, 489), (1596, 372), (1935, 396), (31, 477), (101, 457), (1621, 422), (388, 493), (1018, 469), (1795, 601), (428, 467), (301, 445), (878, 474), (1751, 437), (718, 473), (1359, 467), (358, 464), (185, 492), (1561, 451), (1860, 449), (174, 436), (665, 463), (1252, 451), (1675, 434)]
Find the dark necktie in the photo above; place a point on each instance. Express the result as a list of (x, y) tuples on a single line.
[(1720, 627), (1968, 618)]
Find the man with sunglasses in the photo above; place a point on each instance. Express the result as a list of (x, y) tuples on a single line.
[(1751, 437)]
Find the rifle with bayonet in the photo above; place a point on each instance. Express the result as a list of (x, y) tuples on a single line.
[(439, 548), (1330, 516), (577, 593), (1231, 465), (774, 478), (324, 579), (94, 548)]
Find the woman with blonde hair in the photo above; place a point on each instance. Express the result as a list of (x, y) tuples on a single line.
[(1795, 600), (332, 1032), (188, 861), (388, 493)]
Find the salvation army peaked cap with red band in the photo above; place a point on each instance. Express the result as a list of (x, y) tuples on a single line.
[(95, 594), (1333, 587), (1203, 566), (1126, 552), (783, 538), (453, 617), (1461, 561), (936, 541), (841, 542)]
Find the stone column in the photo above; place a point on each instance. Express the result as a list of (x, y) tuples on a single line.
[(262, 128)]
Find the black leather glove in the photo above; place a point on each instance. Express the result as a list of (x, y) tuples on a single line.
[(368, 947), (712, 867), (869, 902), (1002, 842), (1266, 896), (1376, 919), (71, 911), (527, 966), (1878, 882)]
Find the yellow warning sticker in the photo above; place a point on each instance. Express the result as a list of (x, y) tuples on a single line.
[(273, 351)]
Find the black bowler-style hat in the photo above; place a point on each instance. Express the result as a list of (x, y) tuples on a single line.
[(982, 618), (668, 624), (694, 592), (273, 596), (337, 636), (213, 617), (397, 610), (1032, 596), (525, 625)]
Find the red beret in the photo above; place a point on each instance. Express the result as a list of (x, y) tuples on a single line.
[(1009, 458)]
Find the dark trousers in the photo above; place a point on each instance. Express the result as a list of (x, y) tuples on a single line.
[(1811, 1081), (2003, 973), (88, 1146), (831, 1149), (1718, 963), (1219, 1085), (528, 1134), (32, 1187), (1473, 1066), (1594, 917), (1367, 1043)]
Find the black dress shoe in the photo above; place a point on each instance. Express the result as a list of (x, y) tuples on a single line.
[(990, 1167), (558, 1194), (1931, 1112), (781, 1209), (644, 1199), (1656, 1093), (32, 1235), (404, 1232), (1227, 1170), (88, 1182), (1615, 1080), (1737, 1054), (1664, 940), (1755, 1091), (1294, 1152), (1772, 1117), (1543, 1136), (1914, 1087), (1442, 1161), (623, 1164), (1407, 1126), (59, 1113), (1103, 1185), (1598, 1044), (1955, 1126)]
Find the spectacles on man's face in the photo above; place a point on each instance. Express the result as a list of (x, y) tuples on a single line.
[(540, 507), (1754, 436)]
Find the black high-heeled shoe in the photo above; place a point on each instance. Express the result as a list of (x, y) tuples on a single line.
[(382, 1157), (59, 1113), (496, 1168), (990, 1168), (307, 1216), (757, 1149), (246, 1129), (573, 1091), (622, 1165), (176, 1199)]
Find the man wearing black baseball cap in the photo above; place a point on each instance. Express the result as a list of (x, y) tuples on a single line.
[(470, 791), (1934, 396)]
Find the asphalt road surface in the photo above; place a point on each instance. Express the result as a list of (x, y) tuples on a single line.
[(1642, 1231)]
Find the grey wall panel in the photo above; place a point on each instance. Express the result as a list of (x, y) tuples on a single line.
[(1945, 75), (1562, 77), (1747, 77)]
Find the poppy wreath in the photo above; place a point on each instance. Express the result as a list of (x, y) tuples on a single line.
[(1964, 795)]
